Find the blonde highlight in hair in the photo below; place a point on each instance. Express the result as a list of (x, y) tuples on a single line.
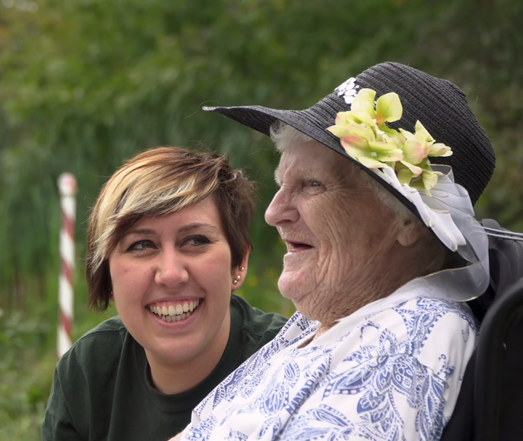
[(157, 182)]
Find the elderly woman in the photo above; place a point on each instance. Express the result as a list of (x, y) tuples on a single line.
[(168, 240), (377, 183)]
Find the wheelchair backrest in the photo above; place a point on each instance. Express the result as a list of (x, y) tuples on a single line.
[(490, 403)]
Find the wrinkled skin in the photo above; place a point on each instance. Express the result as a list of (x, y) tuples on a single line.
[(343, 244)]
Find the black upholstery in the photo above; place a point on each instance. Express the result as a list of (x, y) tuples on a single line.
[(490, 403)]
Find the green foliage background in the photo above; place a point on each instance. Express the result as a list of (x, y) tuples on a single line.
[(86, 84)]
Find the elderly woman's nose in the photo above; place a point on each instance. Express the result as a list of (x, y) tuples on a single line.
[(170, 269), (281, 209)]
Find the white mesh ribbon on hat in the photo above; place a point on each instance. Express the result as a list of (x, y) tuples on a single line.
[(448, 212)]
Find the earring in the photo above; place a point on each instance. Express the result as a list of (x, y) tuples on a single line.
[(242, 268), (235, 281)]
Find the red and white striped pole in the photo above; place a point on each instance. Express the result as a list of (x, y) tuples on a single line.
[(67, 187)]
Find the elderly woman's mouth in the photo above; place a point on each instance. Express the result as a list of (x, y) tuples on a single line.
[(295, 247)]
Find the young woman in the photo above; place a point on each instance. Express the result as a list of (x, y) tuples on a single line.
[(168, 243)]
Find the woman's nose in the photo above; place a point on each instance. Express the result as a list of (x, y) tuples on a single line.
[(171, 270), (281, 209)]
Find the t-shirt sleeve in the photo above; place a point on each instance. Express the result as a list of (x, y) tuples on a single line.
[(79, 406), (57, 425)]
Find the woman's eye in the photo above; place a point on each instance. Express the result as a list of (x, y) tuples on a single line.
[(196, 240), (315, 183), (140, 245)]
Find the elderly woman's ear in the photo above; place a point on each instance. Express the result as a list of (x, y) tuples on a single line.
[(411, 232)]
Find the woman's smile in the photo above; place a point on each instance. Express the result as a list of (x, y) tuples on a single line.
[(172, 312)]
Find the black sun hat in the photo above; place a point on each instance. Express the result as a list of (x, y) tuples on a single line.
[(437, 103)]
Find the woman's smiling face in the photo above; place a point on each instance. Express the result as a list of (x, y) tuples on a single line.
[(172, 280), (337, 231)]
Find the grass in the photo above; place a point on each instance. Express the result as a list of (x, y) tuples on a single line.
[(26, 370), (27, 362)]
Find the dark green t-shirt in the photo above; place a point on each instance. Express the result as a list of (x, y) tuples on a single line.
[(102, 389)]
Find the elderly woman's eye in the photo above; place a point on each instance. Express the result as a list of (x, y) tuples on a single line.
[(313, 183)]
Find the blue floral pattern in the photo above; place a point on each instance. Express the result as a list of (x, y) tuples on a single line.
[(387, 377)]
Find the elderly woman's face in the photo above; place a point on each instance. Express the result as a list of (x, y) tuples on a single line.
[(338, 233)]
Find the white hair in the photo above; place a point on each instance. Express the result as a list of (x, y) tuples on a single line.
[(284, 135)]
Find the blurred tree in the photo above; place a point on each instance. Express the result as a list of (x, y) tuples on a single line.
[(86, 84), (479, 46)]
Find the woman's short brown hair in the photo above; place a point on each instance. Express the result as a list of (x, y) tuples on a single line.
[(160, 181)]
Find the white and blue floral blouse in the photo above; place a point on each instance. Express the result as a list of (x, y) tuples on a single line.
[(390, 371)]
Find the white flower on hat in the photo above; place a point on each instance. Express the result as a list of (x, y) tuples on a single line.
[(348, 89)]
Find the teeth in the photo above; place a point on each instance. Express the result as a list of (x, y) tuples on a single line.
[(174, 313)]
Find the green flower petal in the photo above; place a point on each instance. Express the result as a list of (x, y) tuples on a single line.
[(363, 156), (364, 102), (405, 175), (413, 168), (383, 147), (354, 145), (370, 162), (425, 165), (339, 131), (413, 152), (421, 128), (359, 116), (361, 131), (430, 179), (365, 137), (440, 149), (393, 156), (388, 108), (343, 118), (408, 136)]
